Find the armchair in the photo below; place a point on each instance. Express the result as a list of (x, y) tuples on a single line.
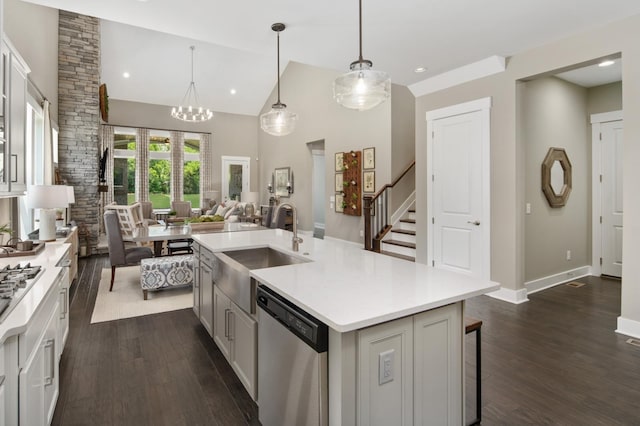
[(118, 255), (182, 208)]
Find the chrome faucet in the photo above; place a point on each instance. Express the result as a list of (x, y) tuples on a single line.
[(295, 241)]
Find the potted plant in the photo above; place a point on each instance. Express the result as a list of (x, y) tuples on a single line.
[(4, 229)]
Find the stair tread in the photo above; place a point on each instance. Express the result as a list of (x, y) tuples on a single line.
[(398, 255), (400, 243), (411, 210), (403, 231), (408, 220)]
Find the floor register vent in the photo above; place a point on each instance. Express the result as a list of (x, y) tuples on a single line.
[(634, 342), (575, 284)]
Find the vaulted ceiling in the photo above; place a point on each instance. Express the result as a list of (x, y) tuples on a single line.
[(236, 49)]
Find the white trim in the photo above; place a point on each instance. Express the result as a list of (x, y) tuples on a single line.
[(596, 188), (482, 68), (484, 106), (628, 327), (404, 208), (459, 109), (512, 296), (556, 279), (604, 117)]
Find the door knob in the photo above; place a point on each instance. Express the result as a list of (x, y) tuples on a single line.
[(475, 222)]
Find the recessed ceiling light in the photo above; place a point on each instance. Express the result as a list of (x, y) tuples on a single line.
[(420, 69), (126, 74), (232, 91), (606, 63)]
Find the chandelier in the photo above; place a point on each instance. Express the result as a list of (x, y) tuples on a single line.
[(278, 121), (361, 88), (189, 109)]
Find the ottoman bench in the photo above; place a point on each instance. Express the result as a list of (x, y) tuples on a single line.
[(168, 271)]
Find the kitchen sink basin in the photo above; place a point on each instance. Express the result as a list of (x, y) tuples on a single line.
[(231, 272), (263, 257)]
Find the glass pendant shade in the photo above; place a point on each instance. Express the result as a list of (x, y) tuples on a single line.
[(189, 109), (362, 88), (278, 121)]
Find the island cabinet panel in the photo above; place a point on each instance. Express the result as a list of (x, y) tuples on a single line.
[(410, 370), (385, 377), (196, 280), (221, 309), (438, 366), (206, 290)]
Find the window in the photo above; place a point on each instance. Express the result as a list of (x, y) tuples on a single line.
[(159, 169), (124, 165), (191, 175), (34, 151)]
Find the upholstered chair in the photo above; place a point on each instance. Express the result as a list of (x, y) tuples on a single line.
[(118, 255), (182, 208), (148, 217)]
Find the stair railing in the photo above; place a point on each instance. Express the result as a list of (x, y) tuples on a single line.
[(376, 212)]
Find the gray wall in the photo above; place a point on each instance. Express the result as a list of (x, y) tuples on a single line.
[(605, 98), (232, 134), (554, 115), (307, 91), (403, 145), (507, 152), (33, 30)]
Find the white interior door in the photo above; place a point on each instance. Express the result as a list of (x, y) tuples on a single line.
[(235, 176), (459, 189), (611, 157)]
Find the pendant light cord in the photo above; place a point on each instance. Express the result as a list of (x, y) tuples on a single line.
[(192, 49), (278, 44), (360, 59)]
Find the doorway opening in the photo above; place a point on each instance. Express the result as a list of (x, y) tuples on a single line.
[(236, 173), (318, 187)]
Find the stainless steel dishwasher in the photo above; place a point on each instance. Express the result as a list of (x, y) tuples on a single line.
[(292, 364)]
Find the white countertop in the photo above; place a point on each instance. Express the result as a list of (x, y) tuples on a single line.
[(18, 319), (347, 287)]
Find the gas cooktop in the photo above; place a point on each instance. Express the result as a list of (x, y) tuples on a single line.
[(15, 282)]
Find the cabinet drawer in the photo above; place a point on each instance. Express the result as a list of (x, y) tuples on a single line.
[(28, 341), (206, 256)]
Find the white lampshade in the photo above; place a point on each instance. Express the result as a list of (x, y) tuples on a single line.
[(250, 197), (211, 195), (71, 198), (48, 198)]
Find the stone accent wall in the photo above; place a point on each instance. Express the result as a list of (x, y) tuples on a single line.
[(78, 116)]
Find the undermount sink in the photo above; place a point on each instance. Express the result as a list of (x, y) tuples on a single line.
[(231, 272), (263, 257)]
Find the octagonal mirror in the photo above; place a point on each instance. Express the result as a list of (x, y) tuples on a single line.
[(556, 177)]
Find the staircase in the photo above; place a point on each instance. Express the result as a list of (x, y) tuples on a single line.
[(400, 241)]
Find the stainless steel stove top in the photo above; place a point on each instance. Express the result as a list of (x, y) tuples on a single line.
[(15, 282)]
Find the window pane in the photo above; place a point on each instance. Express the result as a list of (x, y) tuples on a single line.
[(159, 171), (124, 165)]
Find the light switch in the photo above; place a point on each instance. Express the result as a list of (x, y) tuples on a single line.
[(527, 208), (385, 367)]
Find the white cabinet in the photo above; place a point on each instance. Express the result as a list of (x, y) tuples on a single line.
[(409, 370), (196, 279), (236, 335), (63, 320), (14, 114), (206, 290)]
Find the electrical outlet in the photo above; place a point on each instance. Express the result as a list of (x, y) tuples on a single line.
[(385, 366), (362, 233), (568, 254), (527, 208)]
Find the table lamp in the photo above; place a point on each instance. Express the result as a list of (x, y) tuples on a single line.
[(47, 198), (251, 198)]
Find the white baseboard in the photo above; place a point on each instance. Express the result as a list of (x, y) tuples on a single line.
[(628, 327), (553, 280), (404, 207), (512, 296)]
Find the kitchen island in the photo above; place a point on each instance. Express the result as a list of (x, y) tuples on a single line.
[(374, 304)]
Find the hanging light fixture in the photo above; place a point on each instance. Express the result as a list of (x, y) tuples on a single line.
[(190, 109), (361, 88), (278, 121)]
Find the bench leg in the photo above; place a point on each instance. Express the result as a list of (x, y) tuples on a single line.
[(144, 293), (113, 275)]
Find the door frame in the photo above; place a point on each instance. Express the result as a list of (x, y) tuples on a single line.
[(482, 105), (596, 190), (227, 160)]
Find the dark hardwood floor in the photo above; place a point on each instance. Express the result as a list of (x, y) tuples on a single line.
[(554, 360), (159, 369)]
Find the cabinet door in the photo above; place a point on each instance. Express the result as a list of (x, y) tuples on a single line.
[(385, 374), (18, 124), (221, 310), (2, 405), (206, 298), (4, 119), (50, 367), (196, 285), (63, 323), (243, 335), (438, 337), (32, 389)]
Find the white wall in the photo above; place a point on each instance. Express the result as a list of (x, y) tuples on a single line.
[(507, 152)]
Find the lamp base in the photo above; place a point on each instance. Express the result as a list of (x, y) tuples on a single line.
[(47, 225)]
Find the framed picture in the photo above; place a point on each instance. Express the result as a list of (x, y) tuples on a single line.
[(339, 162), (339, 201), (369, 161), (369, 182), (282, 180), (338, 184)]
